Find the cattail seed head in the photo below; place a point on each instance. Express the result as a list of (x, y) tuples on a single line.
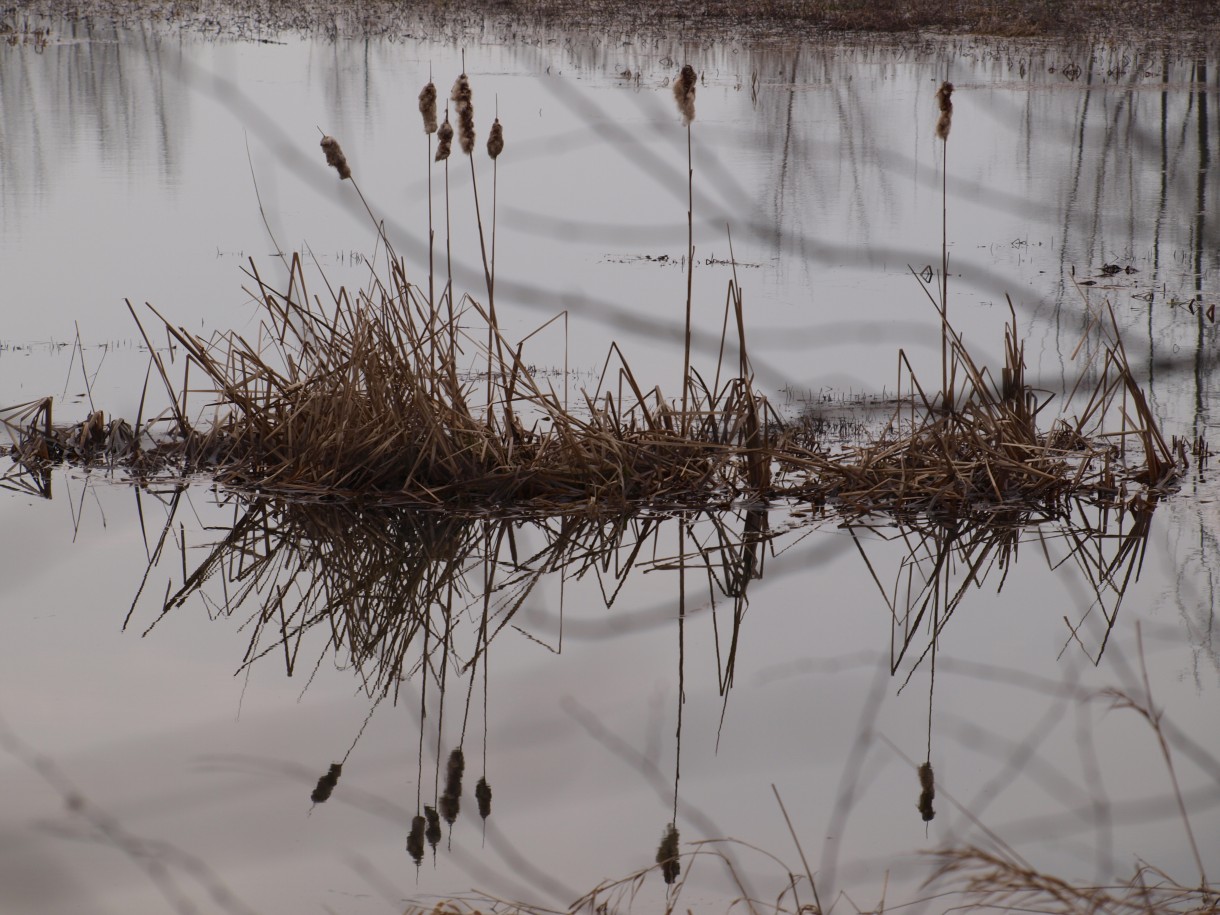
[(433, 832), (945, 103), (453, 772), (335, 157), (495, 140), (444, 138), (427, 107), (449, 806), (463, 103), (326, 784), (927, 794), (415, 839), (667, 854), (482, 794), (684, 93)]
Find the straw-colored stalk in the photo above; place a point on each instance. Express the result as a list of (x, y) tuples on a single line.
[(495, 146), (463, 103), (427, 108)]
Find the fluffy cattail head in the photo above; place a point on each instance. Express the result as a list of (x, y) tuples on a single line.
[(444, 138), (667, 854), (427, 107), (449, 806), (453, 772), (944, 101), (433, 832), (335, 157), (927, 793), (482, 794), (415, 839), (326, 784), (495, 140), (684, 93), (464, 105)]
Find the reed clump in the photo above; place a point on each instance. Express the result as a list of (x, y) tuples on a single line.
[(374, 393)]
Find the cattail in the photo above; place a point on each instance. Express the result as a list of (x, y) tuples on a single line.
[(453, 772), (449, 806), (326, 784), (427, 107), (433, 832), (444, 138), (667, 854), (927, 793), (463, 103), (482, 794), (944, 102), (415, 839), (495, 140), (684, 93), (335, 157)]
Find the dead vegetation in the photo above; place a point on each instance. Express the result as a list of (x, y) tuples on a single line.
[(403, 395)]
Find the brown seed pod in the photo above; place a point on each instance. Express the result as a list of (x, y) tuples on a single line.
[(495, 140), (944, 102), (415, 839), (427, 107), (444, 139), (326, 784), (684, 93), (927, 784), (463, 103), (433, 832), (450, 807), (335, 157), (482, 794), (667, 854), (453, 772)]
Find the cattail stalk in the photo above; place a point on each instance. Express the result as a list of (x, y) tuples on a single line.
[(495, 146), (944, 123), (444, 139), (684, 95), (463, 100), (427, 108)]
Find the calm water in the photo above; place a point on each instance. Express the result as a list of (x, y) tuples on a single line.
[(160, 756)]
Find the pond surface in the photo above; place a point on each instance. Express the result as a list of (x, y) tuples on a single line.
[(181, 666)]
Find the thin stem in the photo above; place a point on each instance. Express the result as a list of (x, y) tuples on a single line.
[(690, 272)]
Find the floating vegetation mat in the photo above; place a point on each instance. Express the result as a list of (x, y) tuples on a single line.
[(366, 401)]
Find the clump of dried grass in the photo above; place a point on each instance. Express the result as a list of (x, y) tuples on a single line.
[(988, 450)]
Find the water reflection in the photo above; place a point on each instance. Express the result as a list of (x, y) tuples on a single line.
[(413, 602)]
